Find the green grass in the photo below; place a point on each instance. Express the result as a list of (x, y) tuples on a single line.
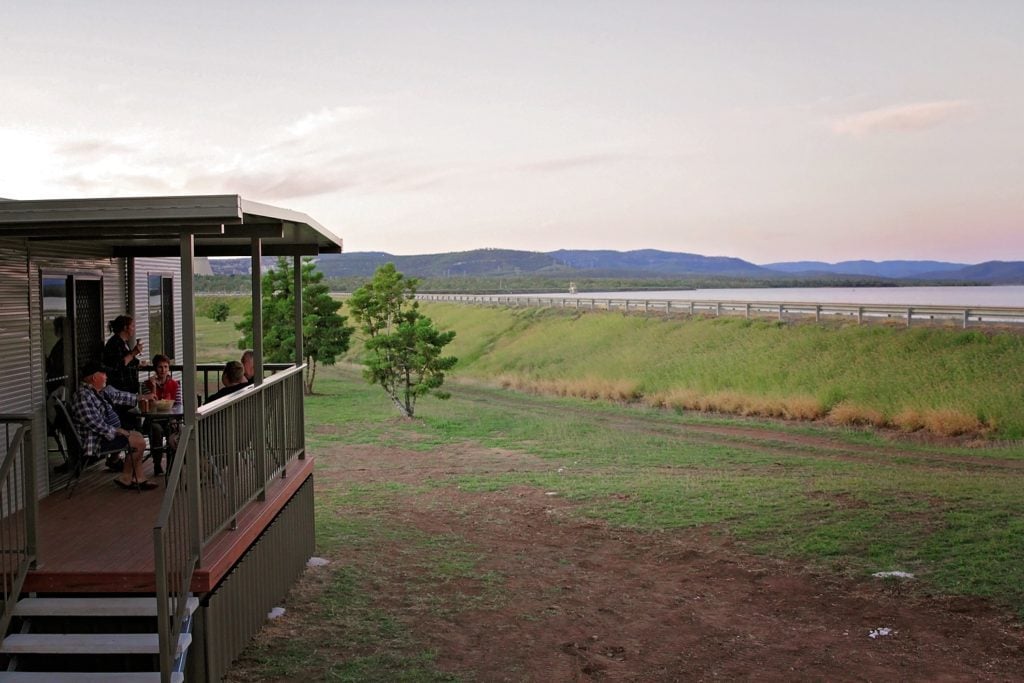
[(956, 524), (218, 342), (952, 516), (889, 369)]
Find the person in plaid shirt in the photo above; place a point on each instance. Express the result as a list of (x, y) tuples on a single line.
[(93, 409)]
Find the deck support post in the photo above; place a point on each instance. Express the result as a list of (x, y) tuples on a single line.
[(188, 391), (257, 353)]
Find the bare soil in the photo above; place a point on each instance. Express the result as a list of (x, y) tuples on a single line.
[(579, 600)]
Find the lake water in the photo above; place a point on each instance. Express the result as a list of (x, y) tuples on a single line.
[(1003, 295)]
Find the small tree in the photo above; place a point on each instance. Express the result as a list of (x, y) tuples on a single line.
[(220, 311), (325, 336), (403, 346)]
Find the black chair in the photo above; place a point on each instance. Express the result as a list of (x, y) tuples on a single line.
[(75, 449)]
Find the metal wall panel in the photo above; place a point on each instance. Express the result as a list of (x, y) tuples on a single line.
[(54, 258), (168, 267)]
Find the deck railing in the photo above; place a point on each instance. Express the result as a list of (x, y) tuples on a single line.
[(240, 444), (175, 553), (963, 316), (18, 510), (245, 441)]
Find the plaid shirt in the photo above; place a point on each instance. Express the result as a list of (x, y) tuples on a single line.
[(94, 414)]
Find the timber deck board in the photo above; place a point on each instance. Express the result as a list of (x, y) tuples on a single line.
[(100, 540)]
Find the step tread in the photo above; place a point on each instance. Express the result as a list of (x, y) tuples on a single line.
[(88, 643), (92, 607), (85, 677)]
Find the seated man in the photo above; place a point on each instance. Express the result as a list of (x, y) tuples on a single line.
[(96, 420), (233, 380)]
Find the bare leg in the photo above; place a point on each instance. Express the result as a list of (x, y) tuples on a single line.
[(132, 470)]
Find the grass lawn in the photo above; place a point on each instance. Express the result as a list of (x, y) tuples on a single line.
[(846, 502)]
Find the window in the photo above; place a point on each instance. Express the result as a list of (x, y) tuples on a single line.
[(161, 315)]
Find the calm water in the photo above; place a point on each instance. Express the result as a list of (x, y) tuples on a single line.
[(1004, 295)]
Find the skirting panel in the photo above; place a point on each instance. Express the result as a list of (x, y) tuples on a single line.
[(234, 611)]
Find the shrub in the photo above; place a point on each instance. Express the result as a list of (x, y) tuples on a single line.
[(219, 311)]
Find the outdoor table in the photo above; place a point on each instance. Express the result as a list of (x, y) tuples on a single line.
[(166, 418)]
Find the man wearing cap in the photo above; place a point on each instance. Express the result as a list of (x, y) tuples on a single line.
[(93, 408)]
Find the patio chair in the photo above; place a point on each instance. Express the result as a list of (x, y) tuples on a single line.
[(52, 432), (75, 449)]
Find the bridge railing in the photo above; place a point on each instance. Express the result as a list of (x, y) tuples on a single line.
[(781, 310)]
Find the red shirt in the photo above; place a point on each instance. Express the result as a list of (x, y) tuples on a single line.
[(169, 389)]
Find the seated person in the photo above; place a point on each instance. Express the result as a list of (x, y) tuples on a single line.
[(96, 420), (249, 366), (233, 380), (162, 386)]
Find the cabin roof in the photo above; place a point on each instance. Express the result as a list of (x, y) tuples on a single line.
[(223, 225)]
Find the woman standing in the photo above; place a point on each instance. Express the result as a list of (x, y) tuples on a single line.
[(122, 360)]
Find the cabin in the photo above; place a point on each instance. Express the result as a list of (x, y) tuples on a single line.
[(105, 584)]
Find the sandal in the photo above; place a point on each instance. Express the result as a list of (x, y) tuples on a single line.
[(121, 485), (146, 485)]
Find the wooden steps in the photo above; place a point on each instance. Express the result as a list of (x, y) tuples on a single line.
[(101, 614), (85, 677), (88, 643), (92, 607)]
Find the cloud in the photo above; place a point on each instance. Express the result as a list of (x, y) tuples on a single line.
[(570, 162), (904, 117), (326, 118)]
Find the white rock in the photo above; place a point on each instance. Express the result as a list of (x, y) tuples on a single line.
[(896, 575), (275, 613), (881, 632), (317, 562)]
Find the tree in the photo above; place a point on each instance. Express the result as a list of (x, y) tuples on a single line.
[(220, 311), (325, 334), (403, 348)]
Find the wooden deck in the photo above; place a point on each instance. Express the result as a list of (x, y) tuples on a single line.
[(100, 540)]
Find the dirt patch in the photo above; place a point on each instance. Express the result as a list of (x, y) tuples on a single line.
[(578, 600)]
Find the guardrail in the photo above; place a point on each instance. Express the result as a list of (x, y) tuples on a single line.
[(18, 510), (979, 315)]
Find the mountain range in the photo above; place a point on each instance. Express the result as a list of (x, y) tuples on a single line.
[(642, 263)]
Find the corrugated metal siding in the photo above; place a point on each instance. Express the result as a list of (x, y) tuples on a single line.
[(167, 267), (57, 258), (21, 366), (16, 352)]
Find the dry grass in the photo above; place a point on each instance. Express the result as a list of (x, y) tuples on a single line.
[(850, 414), (952, 423), (945, 423), (909, 420), (588, 388)]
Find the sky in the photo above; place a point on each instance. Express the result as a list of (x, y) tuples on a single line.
[(769, 130)]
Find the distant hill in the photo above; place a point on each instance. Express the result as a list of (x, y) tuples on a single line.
[(507, 262), (892, 269), (640, 264), (989, 272), (655, 262)]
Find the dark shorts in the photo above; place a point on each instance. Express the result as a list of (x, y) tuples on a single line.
[(115, 444)]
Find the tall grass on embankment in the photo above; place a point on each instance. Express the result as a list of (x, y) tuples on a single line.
[(939, 380)]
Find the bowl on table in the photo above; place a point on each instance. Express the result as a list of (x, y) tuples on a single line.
[(163, 405)]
